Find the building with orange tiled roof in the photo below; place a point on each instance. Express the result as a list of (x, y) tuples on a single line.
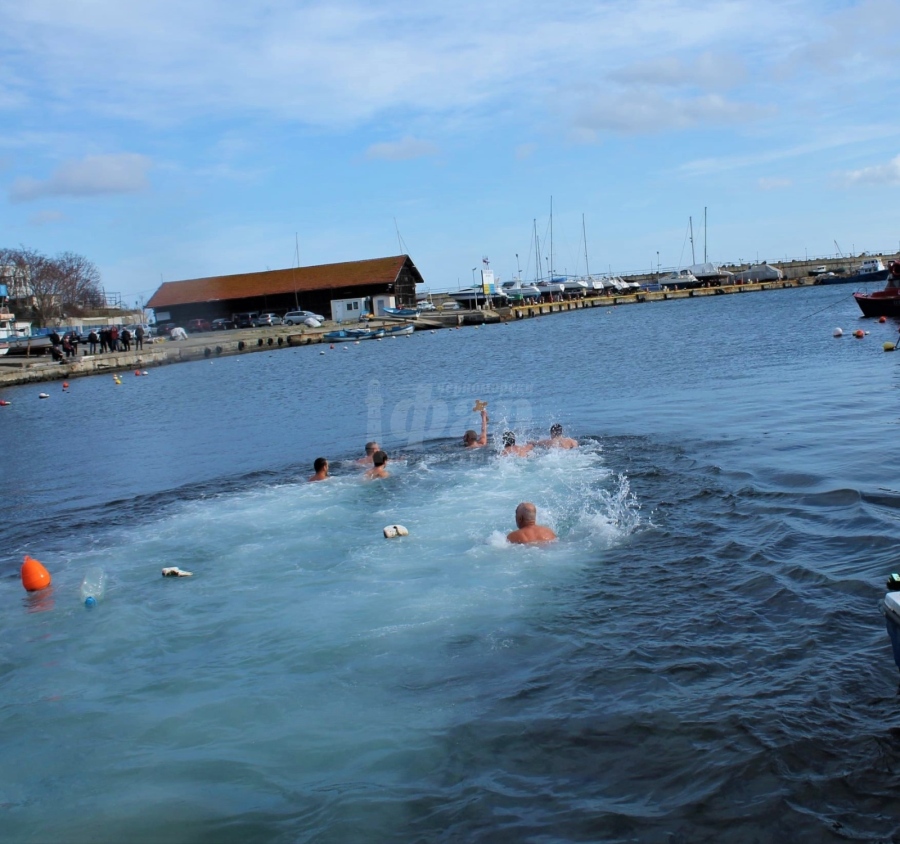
[(279, 291)]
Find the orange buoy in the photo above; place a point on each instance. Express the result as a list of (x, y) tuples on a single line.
[(137, 371), (4, 403), (882, 319), (34, 576), (859, 333), (65, 385)]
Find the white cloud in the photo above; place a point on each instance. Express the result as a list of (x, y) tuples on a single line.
[(345, 62), (43, 218), (91, 176), (402, 150), (649, 112), (879, 174), (708, 71)]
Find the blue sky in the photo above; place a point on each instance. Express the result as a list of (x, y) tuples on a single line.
[(170, 140)]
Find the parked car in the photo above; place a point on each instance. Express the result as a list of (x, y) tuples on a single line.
[(299, 317), (266, 319), (426, 306), (163, 329), (222, 324), (245, 320), (198, 325)]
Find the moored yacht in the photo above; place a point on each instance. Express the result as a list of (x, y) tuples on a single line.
[(487, 294)]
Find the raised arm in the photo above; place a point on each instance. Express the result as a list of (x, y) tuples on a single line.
[(482, 440)]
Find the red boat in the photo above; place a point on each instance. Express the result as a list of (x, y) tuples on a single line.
[(883, 302)]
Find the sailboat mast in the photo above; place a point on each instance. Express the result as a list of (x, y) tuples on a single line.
[(537, 255), (551, 240), (691, 224), (584, 236), (704, 234)]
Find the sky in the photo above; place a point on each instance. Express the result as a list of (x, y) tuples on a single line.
[(172, 140)]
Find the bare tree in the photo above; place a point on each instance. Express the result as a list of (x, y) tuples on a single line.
[(79, 282), (49, 288)]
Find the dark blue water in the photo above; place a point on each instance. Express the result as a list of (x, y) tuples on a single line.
[(700, 657)]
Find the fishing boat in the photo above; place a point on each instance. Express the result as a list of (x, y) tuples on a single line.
[(872, 269), (345, 335), (882, 302), (410, 313), (398, 330)]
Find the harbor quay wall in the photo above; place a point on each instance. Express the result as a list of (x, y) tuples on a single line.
[(37, 369), (40, 368)]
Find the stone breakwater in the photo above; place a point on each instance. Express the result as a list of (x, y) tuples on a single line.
[(36, 369)]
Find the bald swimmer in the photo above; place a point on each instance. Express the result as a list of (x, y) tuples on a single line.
[(529, 532)]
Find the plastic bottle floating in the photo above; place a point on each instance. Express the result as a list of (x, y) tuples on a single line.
[(838, 332), (393, 531), (93, 586), (34, 576)]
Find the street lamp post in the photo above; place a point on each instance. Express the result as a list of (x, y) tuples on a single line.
[(473, 276)]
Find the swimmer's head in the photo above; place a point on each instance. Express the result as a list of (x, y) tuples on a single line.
[(469, 437), (371, 448), (320, 464), (556, 430), (379, 458), (526, 514), (509, 438)]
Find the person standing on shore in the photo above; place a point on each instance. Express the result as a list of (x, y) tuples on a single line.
[(93, 339), (139, 338), (104, 339), (114, 339), (527, 530)]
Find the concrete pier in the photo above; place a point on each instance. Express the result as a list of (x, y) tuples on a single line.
[(210, 345)]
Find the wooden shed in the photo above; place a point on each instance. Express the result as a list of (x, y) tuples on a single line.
[(279, 291)]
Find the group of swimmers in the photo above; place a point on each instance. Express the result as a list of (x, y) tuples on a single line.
[(527, 530)]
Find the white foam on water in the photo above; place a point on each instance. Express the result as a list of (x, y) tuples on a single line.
[(307, 647)]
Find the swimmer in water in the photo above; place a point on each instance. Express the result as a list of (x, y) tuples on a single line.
[(528, 532), (471, 439), (510, 448), (557, 440), (371, 448), (379, 468), (321, 469)]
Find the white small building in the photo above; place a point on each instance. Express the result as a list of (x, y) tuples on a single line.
[(349, 310)]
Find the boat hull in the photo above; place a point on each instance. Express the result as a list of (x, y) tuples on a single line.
[(858, 278), (882, 303)]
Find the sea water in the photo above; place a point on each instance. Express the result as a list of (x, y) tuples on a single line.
[(700, 656)]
